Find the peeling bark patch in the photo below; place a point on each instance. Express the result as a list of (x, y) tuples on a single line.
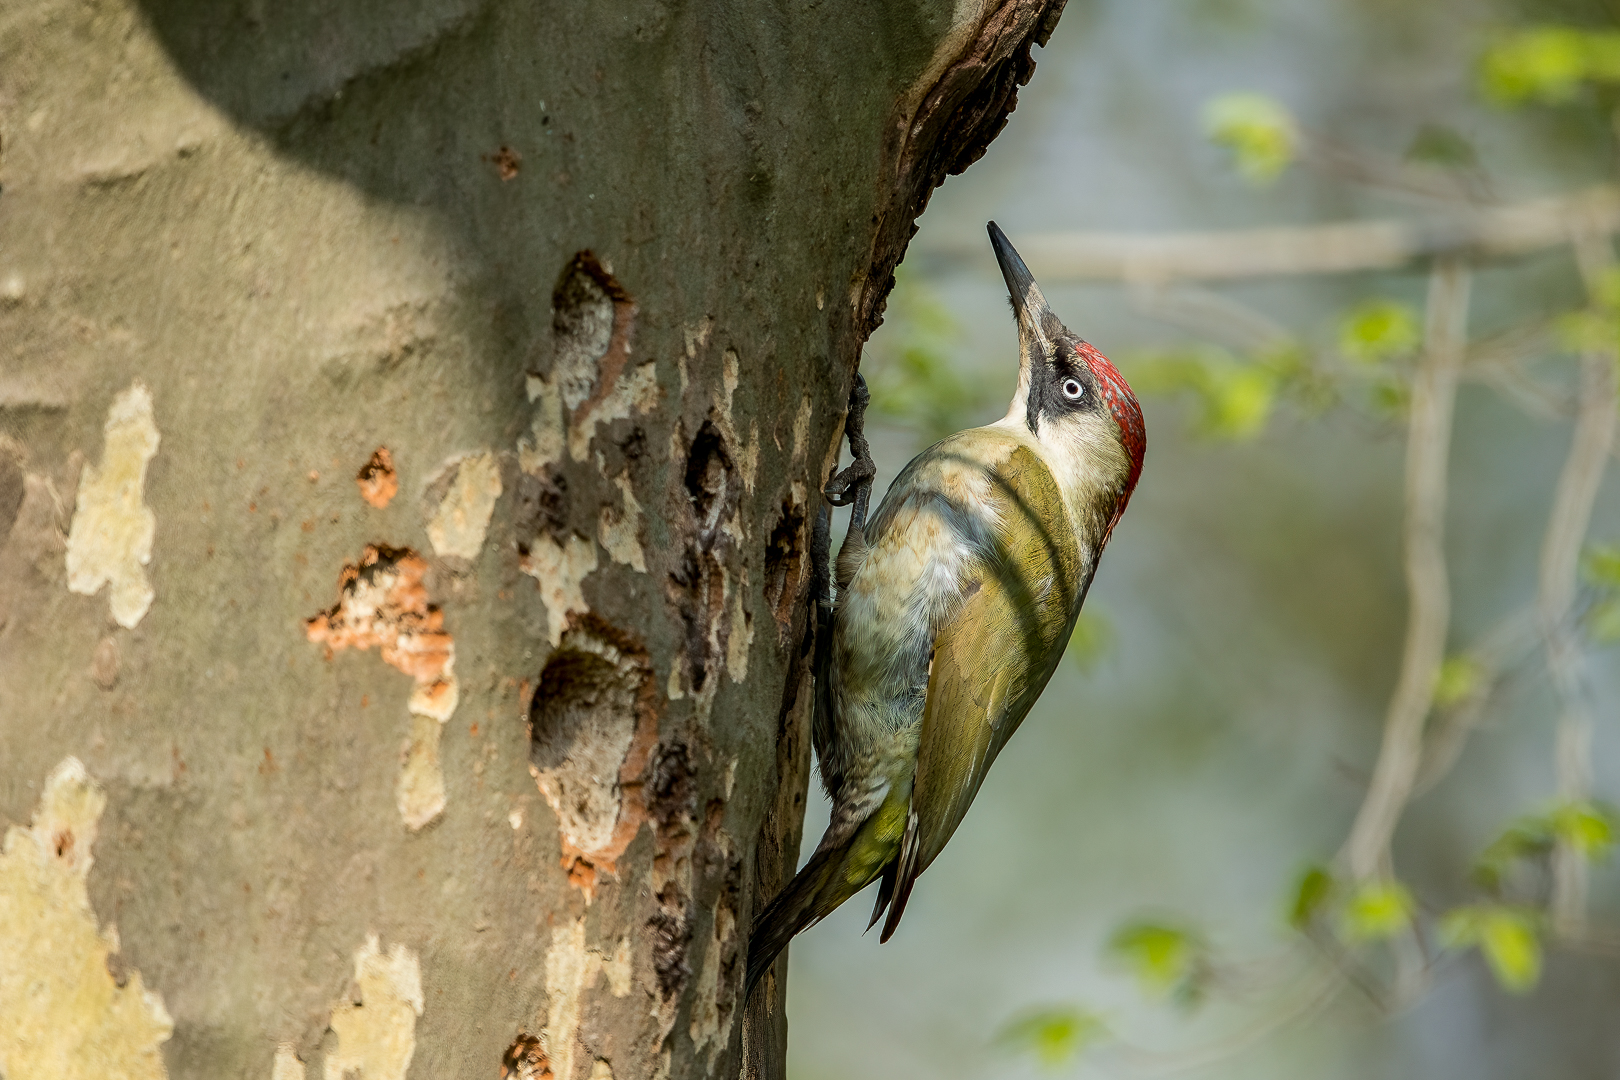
[(673, 807), (740, 636), (376, 1025), (286, 1065), (571, 970), (584, 317), (110, 539), (784, 564), (383, 602), (540, 505), (699, 584), (526, 1059), (461, 521), (715, 997), (62, 1011), (620, 531), (708, 473), (378, 481), (591, 381), (560, 570), (591, 731)]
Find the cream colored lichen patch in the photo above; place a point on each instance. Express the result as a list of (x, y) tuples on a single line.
[(712, 1011), (560, 570), (571, 973), (601, 1070), (459, 524), (419, 791), (636, 392), (741, 638), (110, 539), (62, 1014), (620, 531), (546, 431), (801, 429), (376, 1027), (286, 1065)]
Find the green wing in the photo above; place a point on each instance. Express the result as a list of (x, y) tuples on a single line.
[(989, 664)]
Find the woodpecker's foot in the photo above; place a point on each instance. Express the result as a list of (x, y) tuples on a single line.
[(854, 484)]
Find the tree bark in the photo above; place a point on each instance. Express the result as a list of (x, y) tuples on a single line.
[(411, 421)]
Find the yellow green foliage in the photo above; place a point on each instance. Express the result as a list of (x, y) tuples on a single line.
[(1258, 130), (1055, 1036), (1460, 677), (1235, 398), (1376, 910), (1167, 961), (1379, 330), (1549, 64), (1505, 935), (1311, 896), (1588, 827)]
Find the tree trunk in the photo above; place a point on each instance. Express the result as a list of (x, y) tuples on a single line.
[(411, 421)]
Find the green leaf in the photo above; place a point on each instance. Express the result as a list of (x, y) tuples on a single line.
[(1587, 827), (1546, 64), (1055, 1036), (1505, 935), (1526, 837), (1606, 289), (1310, 895), (1377, 910), (1235, 398), (1168, 961), (1460, 677), (1587, 332), (1259, 131), (1092, 638), (1392, 396), (1603, 621), (1549, 64), (1379, 330), (1600, 564)]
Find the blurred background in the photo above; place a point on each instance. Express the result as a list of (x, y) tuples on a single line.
[(1150, 882)]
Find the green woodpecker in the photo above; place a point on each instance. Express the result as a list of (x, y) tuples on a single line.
[(955, 604)]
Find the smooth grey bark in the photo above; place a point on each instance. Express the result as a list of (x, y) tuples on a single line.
[(411, 420)]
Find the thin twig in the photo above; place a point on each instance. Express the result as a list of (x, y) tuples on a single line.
[(1434, 392), (1560, 559), (1500, 648), (1308, 1000), (1475, 233)]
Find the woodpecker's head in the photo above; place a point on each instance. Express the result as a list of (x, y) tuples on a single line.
[(1074, 402)]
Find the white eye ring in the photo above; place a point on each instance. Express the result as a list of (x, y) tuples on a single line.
[(1072, 389)]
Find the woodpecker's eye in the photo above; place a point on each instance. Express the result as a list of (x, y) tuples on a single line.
[(1072, 389)]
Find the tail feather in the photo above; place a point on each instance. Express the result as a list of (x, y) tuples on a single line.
[(798, 907), (885, 894)]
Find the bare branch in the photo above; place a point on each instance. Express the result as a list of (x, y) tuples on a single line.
[(1428, 447), (1503, 646), (1560, 557), (1471, 232)]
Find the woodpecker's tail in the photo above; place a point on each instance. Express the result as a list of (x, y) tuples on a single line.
[(809, 897), (834, 874)]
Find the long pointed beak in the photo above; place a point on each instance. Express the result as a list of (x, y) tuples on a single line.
[(1036, 323)]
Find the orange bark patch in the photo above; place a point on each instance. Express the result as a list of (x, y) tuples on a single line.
[(382, 602), (378, 481)]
